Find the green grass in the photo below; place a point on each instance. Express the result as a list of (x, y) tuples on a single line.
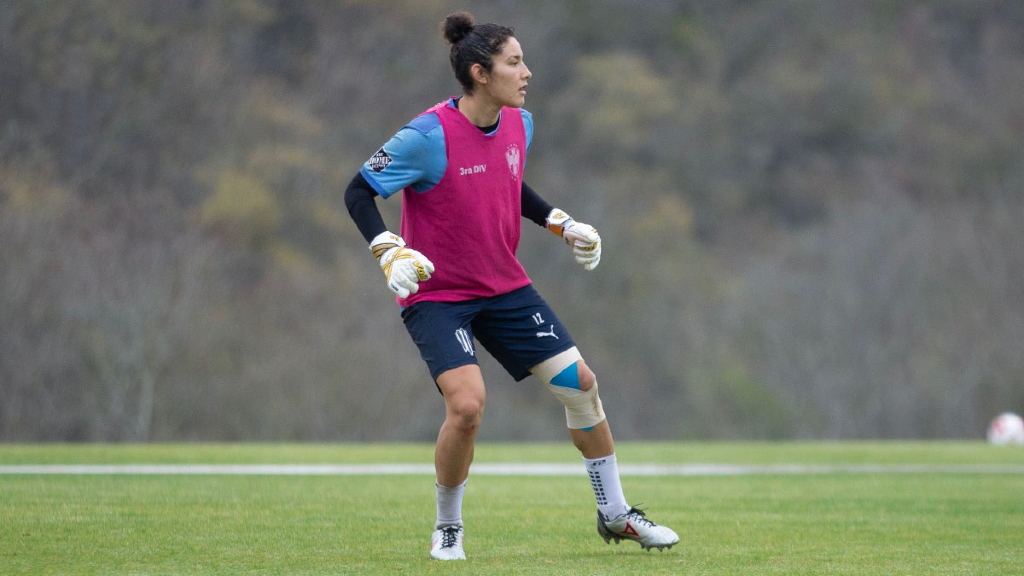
[(942, 523)]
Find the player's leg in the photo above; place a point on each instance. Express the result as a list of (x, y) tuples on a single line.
[(464, 397), (574, 383), (523, 333), (444, 337)]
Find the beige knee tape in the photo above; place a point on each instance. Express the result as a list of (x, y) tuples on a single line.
[(583, 409)]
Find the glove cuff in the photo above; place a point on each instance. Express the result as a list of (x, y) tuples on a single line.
[(557, 220), (385, 241)]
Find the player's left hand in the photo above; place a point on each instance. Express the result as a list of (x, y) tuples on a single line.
[(583, 238)]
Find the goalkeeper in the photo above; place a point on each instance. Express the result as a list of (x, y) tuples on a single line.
[(453, 267)]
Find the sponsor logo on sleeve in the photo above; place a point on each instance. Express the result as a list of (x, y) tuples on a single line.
[(379, 161)]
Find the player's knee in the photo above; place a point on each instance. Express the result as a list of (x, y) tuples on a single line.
[(465, 413), (586, 376), (575, 385)]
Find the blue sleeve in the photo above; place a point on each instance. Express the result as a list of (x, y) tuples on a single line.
[(528, 126), (415, 156)]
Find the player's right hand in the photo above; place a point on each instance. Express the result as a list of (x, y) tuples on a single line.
[(404, 268)]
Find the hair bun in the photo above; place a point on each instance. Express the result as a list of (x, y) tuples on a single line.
[(456, 26)]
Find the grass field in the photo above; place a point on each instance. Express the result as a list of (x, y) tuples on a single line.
[(963, 516)]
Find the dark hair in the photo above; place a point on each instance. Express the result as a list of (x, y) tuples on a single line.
[(472, 44)]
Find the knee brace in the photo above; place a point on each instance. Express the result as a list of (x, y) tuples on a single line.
[(583, 409)]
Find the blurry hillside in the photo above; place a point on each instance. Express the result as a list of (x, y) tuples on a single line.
[(811, 213)]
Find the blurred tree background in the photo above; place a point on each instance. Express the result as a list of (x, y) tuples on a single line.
[(811, 213)]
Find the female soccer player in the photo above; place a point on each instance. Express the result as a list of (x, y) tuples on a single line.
[(454, 269)]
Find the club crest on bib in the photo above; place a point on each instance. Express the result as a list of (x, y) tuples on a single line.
[(512, 156)]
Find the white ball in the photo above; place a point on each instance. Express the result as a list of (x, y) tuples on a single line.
[(1007, 428)]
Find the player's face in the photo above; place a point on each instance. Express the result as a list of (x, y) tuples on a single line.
[(507, 79)]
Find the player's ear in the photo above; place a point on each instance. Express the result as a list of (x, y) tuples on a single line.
[(479, 73)]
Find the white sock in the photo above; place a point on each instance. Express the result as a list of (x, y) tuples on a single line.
[(604, 479), (449, 504)]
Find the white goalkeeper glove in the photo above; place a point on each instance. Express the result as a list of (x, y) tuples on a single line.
[(404, 268), (584, 239)]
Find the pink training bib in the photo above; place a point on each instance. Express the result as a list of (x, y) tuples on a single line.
[(469, 224)]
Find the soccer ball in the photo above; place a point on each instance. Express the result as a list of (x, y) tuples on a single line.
[(1007, 428)]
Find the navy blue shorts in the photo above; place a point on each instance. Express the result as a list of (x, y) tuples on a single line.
[(518, 329)]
